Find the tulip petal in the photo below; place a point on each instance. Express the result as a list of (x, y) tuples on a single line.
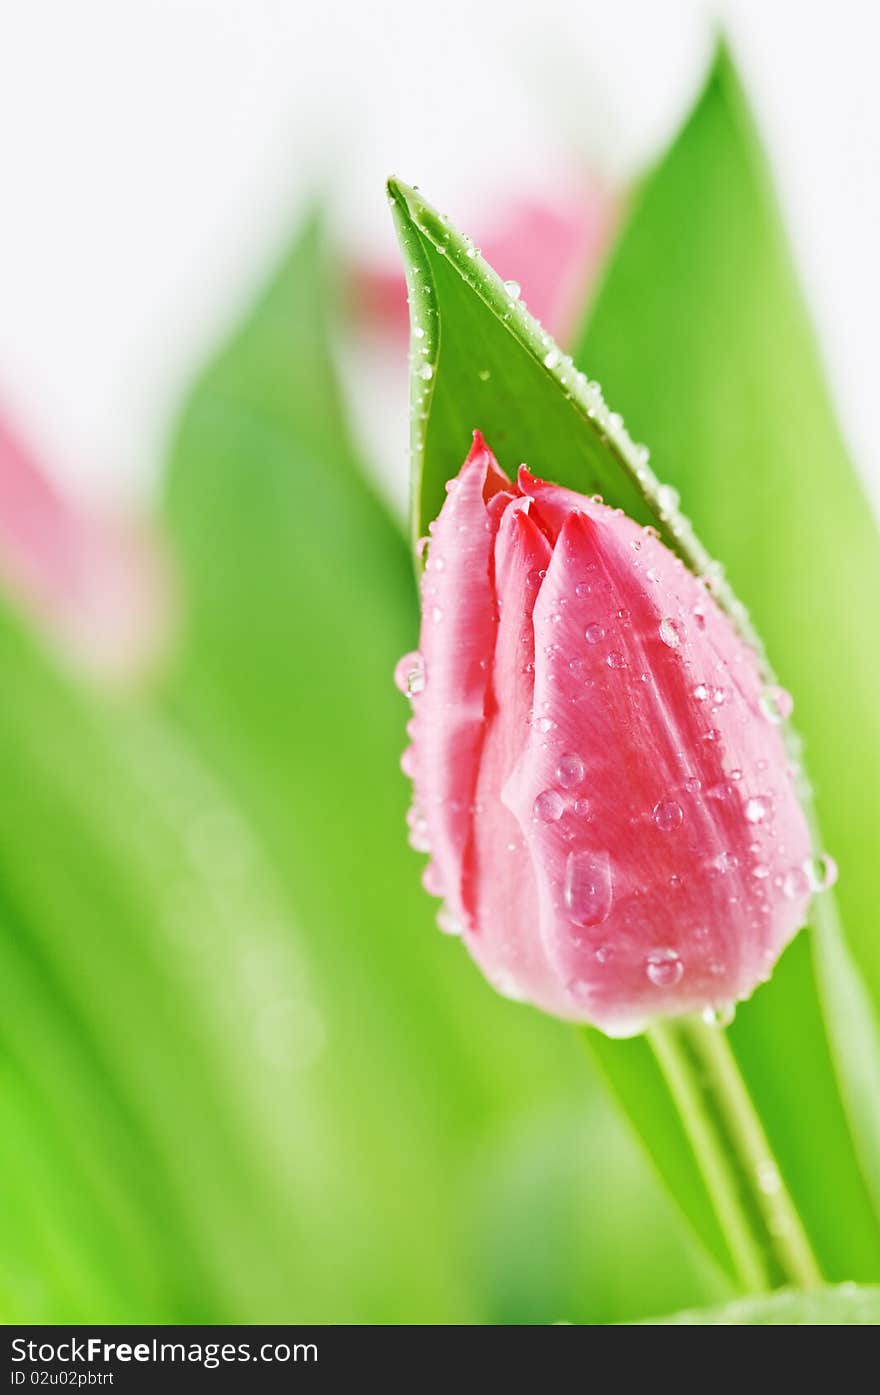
[(459, 623), (662, 884), (499, 888)]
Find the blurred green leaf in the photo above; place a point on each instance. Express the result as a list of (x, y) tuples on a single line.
[(700, 331), (300, 600), (144, 956), (848, 1305)]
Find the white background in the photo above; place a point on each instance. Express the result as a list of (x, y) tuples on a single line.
[(154, 152)]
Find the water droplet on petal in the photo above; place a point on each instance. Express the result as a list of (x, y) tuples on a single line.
[(615, 659), (664, 968), (672, 632), (720, 791), (505, 984), (570, 771), (583, 808), (758, 808), (795, 883), (548, 806), (668, 815), (588, 887), (408, 762), (725, 862), (419, 840), (761, 871), (701, 692), (776, 704), (447, 923), (594, 633), (409, 674), (431, 880)]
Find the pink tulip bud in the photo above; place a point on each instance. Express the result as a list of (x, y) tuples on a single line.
[(600, 775)]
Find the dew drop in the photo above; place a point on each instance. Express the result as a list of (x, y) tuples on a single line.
[(668, 815), (672, 632), (769, 1179), (588, 889), (720, 791), (431, 880), (436, 614), (513, 289), (795, 884), (447, 923), (725, 862), (551, 358), (758, 808), (408, 762), (409, 674), (484, 375), (821, 872), (667, 498), (583, 808), (594, 633), (419, 840), (664, 968), (505, 984), (776, 704), (548, 806), (761, 871), (570, 771), (701, 692), (719, 1014), (426, 371), (544, 725), (615, 659)]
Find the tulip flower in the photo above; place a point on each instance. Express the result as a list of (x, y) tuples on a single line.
[(98, 588), (599, 769)]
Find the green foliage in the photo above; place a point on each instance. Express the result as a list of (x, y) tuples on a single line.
[(700, 331), (844, 1306)]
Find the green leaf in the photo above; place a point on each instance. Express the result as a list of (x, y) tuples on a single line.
[(300, 599), (479, 360), (847, 1305), (143, 1169), (700, 330)]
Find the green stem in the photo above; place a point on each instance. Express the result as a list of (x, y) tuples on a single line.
[(763, 1230)]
